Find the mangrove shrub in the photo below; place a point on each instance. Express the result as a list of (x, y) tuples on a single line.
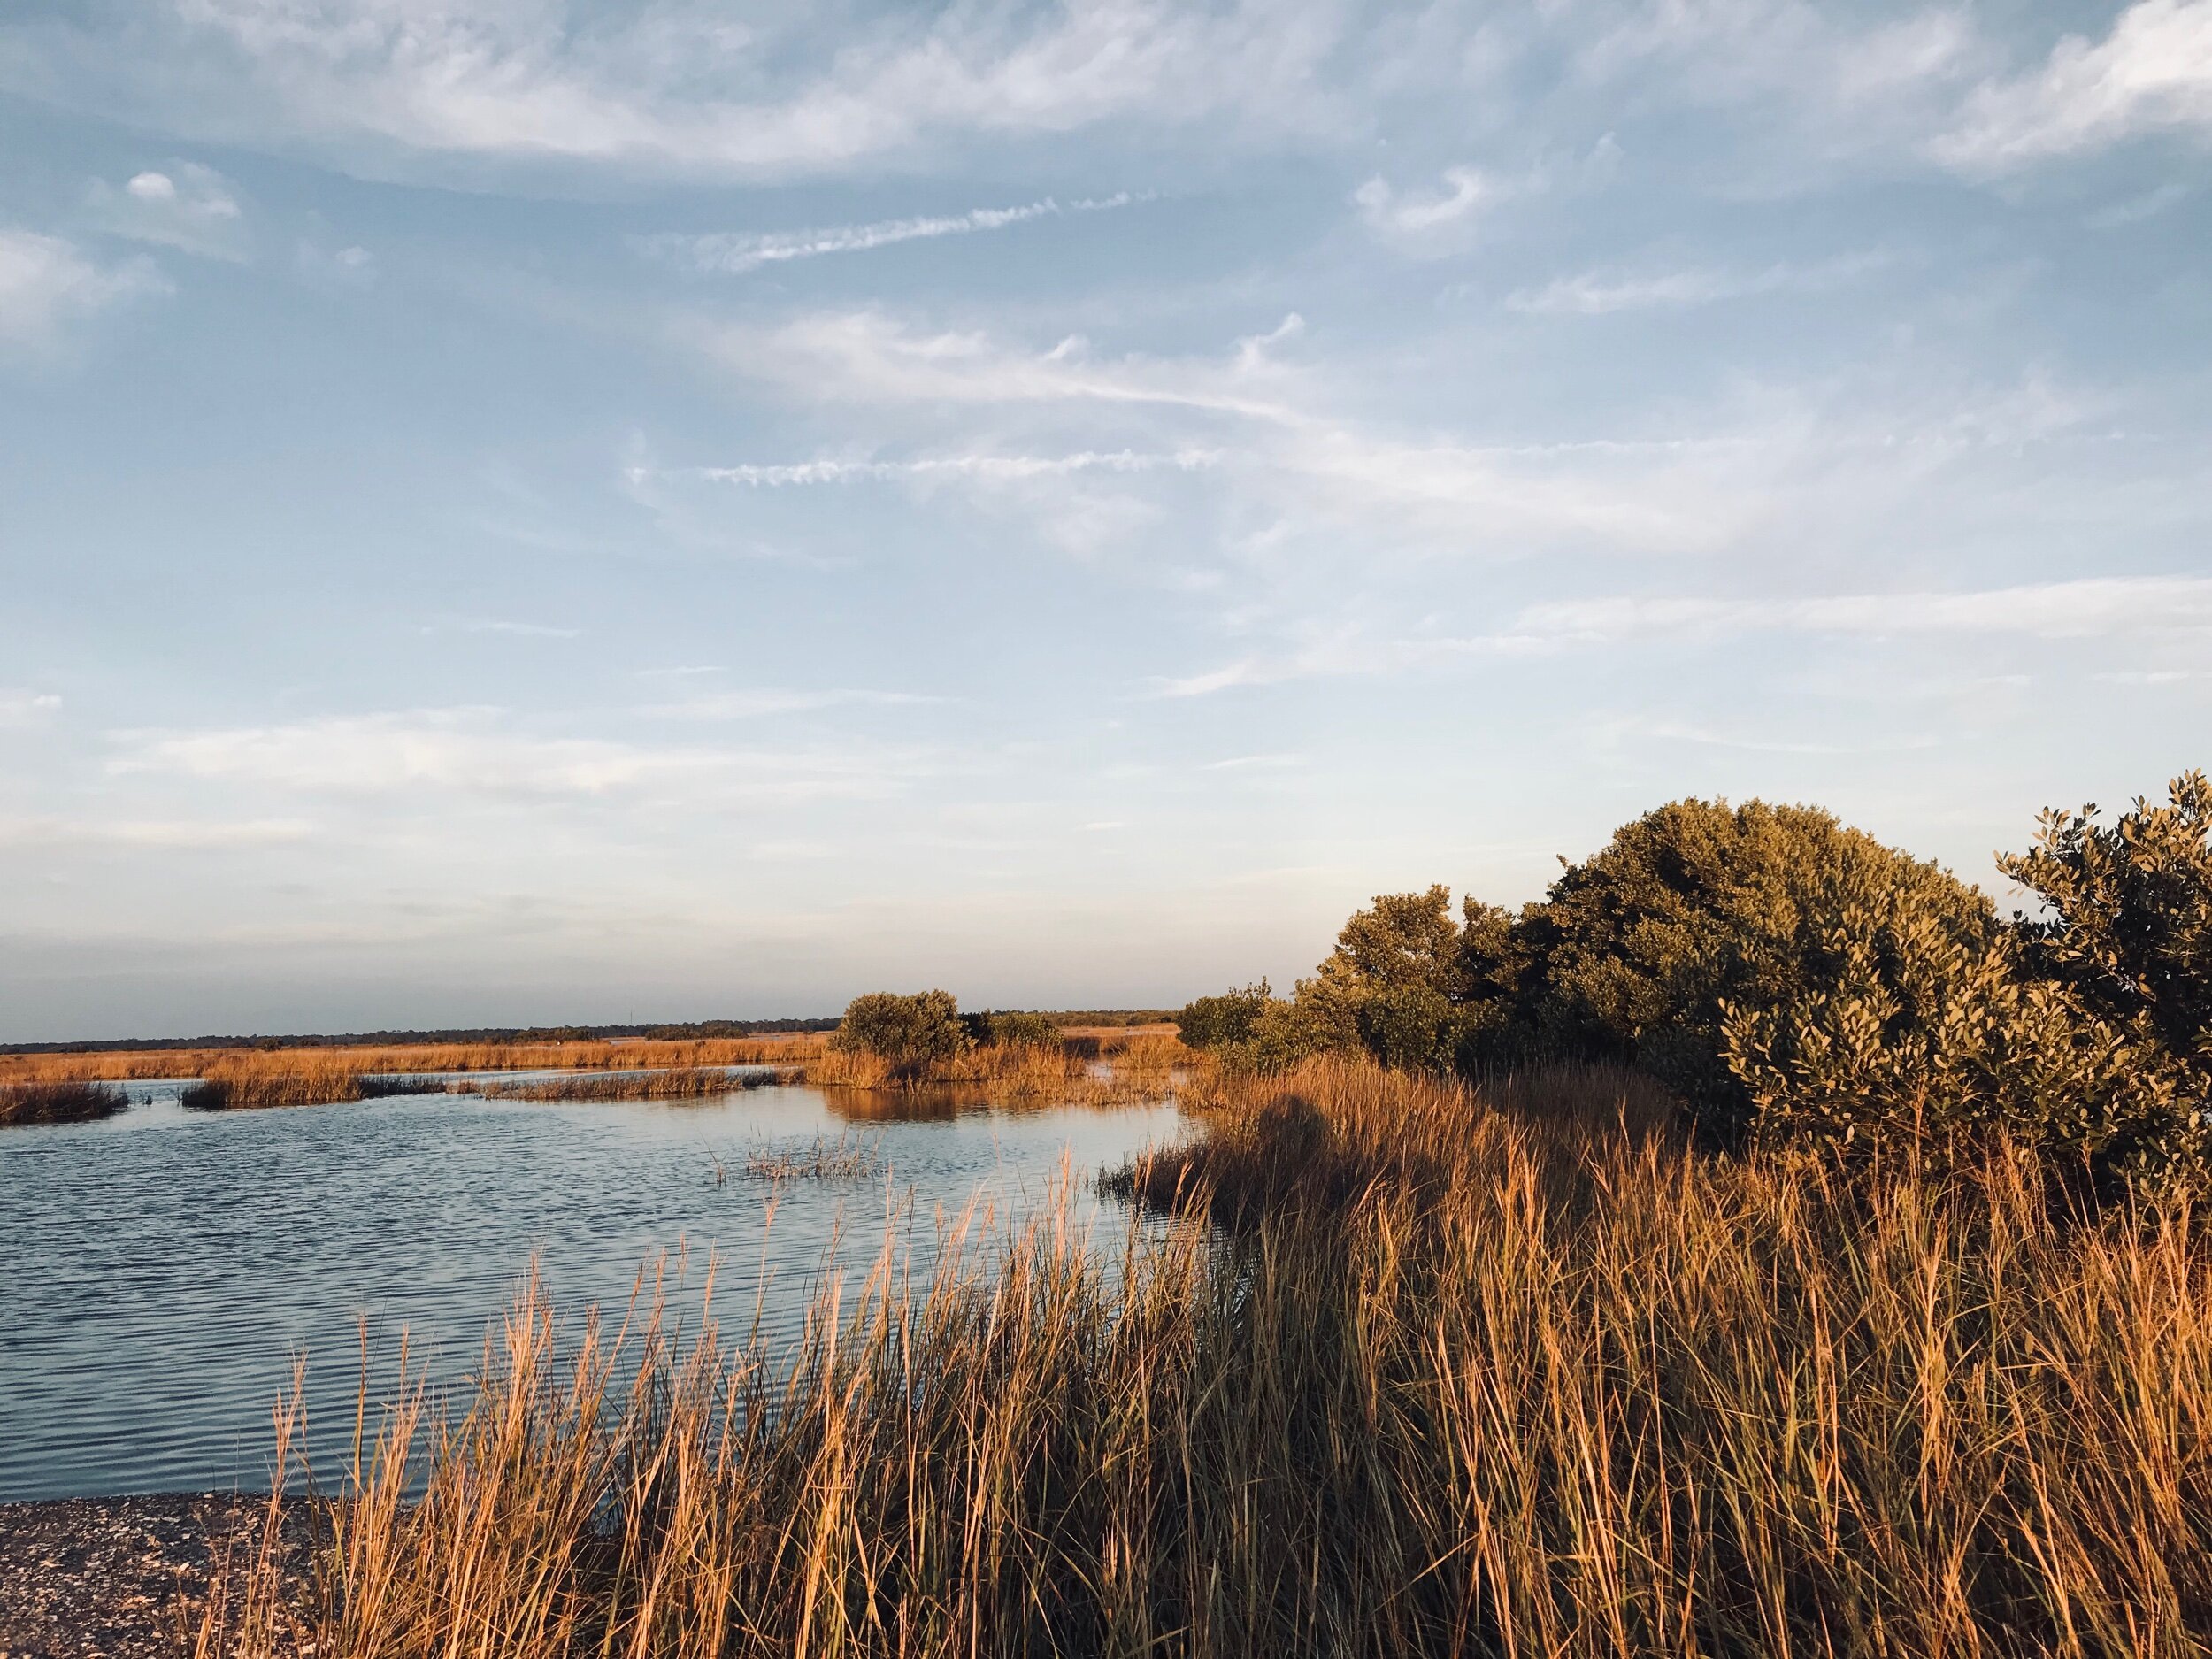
[(1791, 978), (910, 1032)]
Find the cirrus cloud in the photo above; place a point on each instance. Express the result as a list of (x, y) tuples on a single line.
[(2152, 73)]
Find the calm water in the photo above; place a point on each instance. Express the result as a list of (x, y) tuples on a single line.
[(158, 1272)]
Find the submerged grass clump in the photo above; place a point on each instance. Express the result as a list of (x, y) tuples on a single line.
[(678, 1083), (59, 1102), (1512, 1373), (821, 1160)]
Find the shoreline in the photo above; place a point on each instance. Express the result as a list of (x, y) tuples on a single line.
[(122, 1577)]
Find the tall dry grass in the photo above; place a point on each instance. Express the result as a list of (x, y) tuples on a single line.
[(1518, 1377), (253, 1085), (676, 1083), (59, 1103), (1089, 1069), (468, 1057)]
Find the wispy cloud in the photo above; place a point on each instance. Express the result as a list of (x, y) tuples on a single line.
[(872, 356), (1463, 191), (1292, 444), (27, 708), (2136, 209), (2113, 608), (2152, 73), (155, 834), (1709, 737), (734, 254), (756, 703), (1596, 293), (518, 630), (681, 87), (349, 267), (48, 283), (475, 751), (987, 468), (1248, 671), (183, 205), (2090, 607)]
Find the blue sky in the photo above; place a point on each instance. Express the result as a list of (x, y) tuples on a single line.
[(515, 511)]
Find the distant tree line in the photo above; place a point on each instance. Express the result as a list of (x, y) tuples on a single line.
[(1791, 979), (471, 1034), (691, 1030)]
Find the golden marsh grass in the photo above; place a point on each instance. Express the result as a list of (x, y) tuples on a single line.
[(59, 1103), (1517, 1375), (139, 1064)]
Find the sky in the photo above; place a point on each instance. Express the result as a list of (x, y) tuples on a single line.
[(515, 511)]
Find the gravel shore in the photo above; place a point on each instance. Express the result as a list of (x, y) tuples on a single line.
[(118, 1578)]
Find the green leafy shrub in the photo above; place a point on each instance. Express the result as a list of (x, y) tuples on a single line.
[(1281, 1036), (1011, 1030), (1251, 1029), (2128, 922), (2083, 1029), (1216, 1022), (1699, 910), (910, 1032), (1792, 979)]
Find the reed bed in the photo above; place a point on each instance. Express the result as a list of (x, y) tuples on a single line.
[(843, 1159), (1409, 1370), (139, 1064), (1087, 1070), (257, 1088), (677, 1083), (64, 1102)]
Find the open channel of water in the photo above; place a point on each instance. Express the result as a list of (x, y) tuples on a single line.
[(160, 1270)]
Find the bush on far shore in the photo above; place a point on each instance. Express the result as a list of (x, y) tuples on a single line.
[(908, 1031), (1011, 1030)]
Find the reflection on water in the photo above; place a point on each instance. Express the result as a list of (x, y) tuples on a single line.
[(162, 1268)]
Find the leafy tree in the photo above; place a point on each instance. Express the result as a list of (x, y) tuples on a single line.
[(1395, 968), (910, 1032), (1417, 989), (1215, 1022)]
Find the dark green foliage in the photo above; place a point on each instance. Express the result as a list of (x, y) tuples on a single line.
[(1790, 979), (1415, 1027), (2129, 922), (1215, 1022), (1251, 1030), (1699, 909), (1011, 1030), (910, 1032)]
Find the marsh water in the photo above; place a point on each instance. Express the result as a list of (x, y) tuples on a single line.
[(160, 1271)]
